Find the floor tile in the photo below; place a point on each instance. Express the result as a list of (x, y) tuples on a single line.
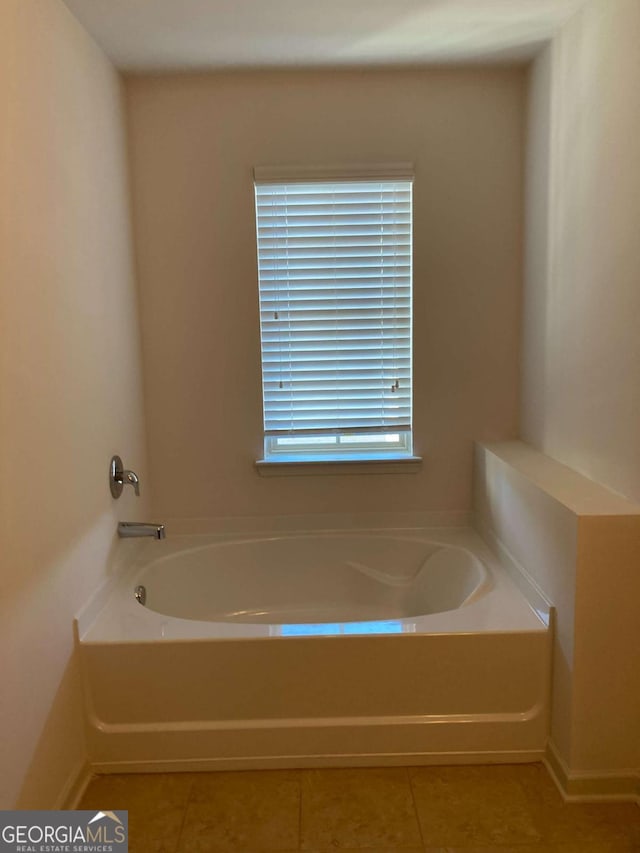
[(466, 806), (606, 847), (578, 825), (581, 824), (486, 809), (333, 849), (542, 848), (156, 803), (364, 808), (245, 811), (502, 848)]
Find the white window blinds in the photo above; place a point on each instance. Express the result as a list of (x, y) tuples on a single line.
[(334, 268)]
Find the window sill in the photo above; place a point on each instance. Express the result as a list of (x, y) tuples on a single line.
[(304, 467)]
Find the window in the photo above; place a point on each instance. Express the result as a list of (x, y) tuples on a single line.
[(334, 271)]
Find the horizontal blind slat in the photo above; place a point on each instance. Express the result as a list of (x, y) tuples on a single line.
[(342, 430)]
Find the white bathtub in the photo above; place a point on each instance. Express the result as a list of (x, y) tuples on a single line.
[(303, 650), (321, 578)]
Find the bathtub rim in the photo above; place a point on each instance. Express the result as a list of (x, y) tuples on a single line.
[(113, 616)]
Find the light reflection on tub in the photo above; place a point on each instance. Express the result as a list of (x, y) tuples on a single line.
[(330, 629)]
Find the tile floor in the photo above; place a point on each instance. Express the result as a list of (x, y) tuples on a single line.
[(374, 810)]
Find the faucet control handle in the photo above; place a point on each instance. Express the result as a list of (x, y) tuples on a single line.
[(118, 478), (131, 479)]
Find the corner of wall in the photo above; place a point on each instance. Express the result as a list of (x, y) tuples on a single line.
[(70, 376)]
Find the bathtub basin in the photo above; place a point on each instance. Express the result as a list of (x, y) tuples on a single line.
[(321, 579)]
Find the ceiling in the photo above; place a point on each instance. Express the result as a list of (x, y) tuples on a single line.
[(160, 35)]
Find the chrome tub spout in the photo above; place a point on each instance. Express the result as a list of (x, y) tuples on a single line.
[(134, 529)]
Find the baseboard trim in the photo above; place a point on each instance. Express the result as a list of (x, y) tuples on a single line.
[(75, 786), (295, 762), (584, 787)]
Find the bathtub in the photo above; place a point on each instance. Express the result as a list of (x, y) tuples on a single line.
[(299, 650)]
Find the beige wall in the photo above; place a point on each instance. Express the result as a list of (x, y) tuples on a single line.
[(69, 377), (194, 140), (578, 541), (607, 639), (581, 383), (581, 348)]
